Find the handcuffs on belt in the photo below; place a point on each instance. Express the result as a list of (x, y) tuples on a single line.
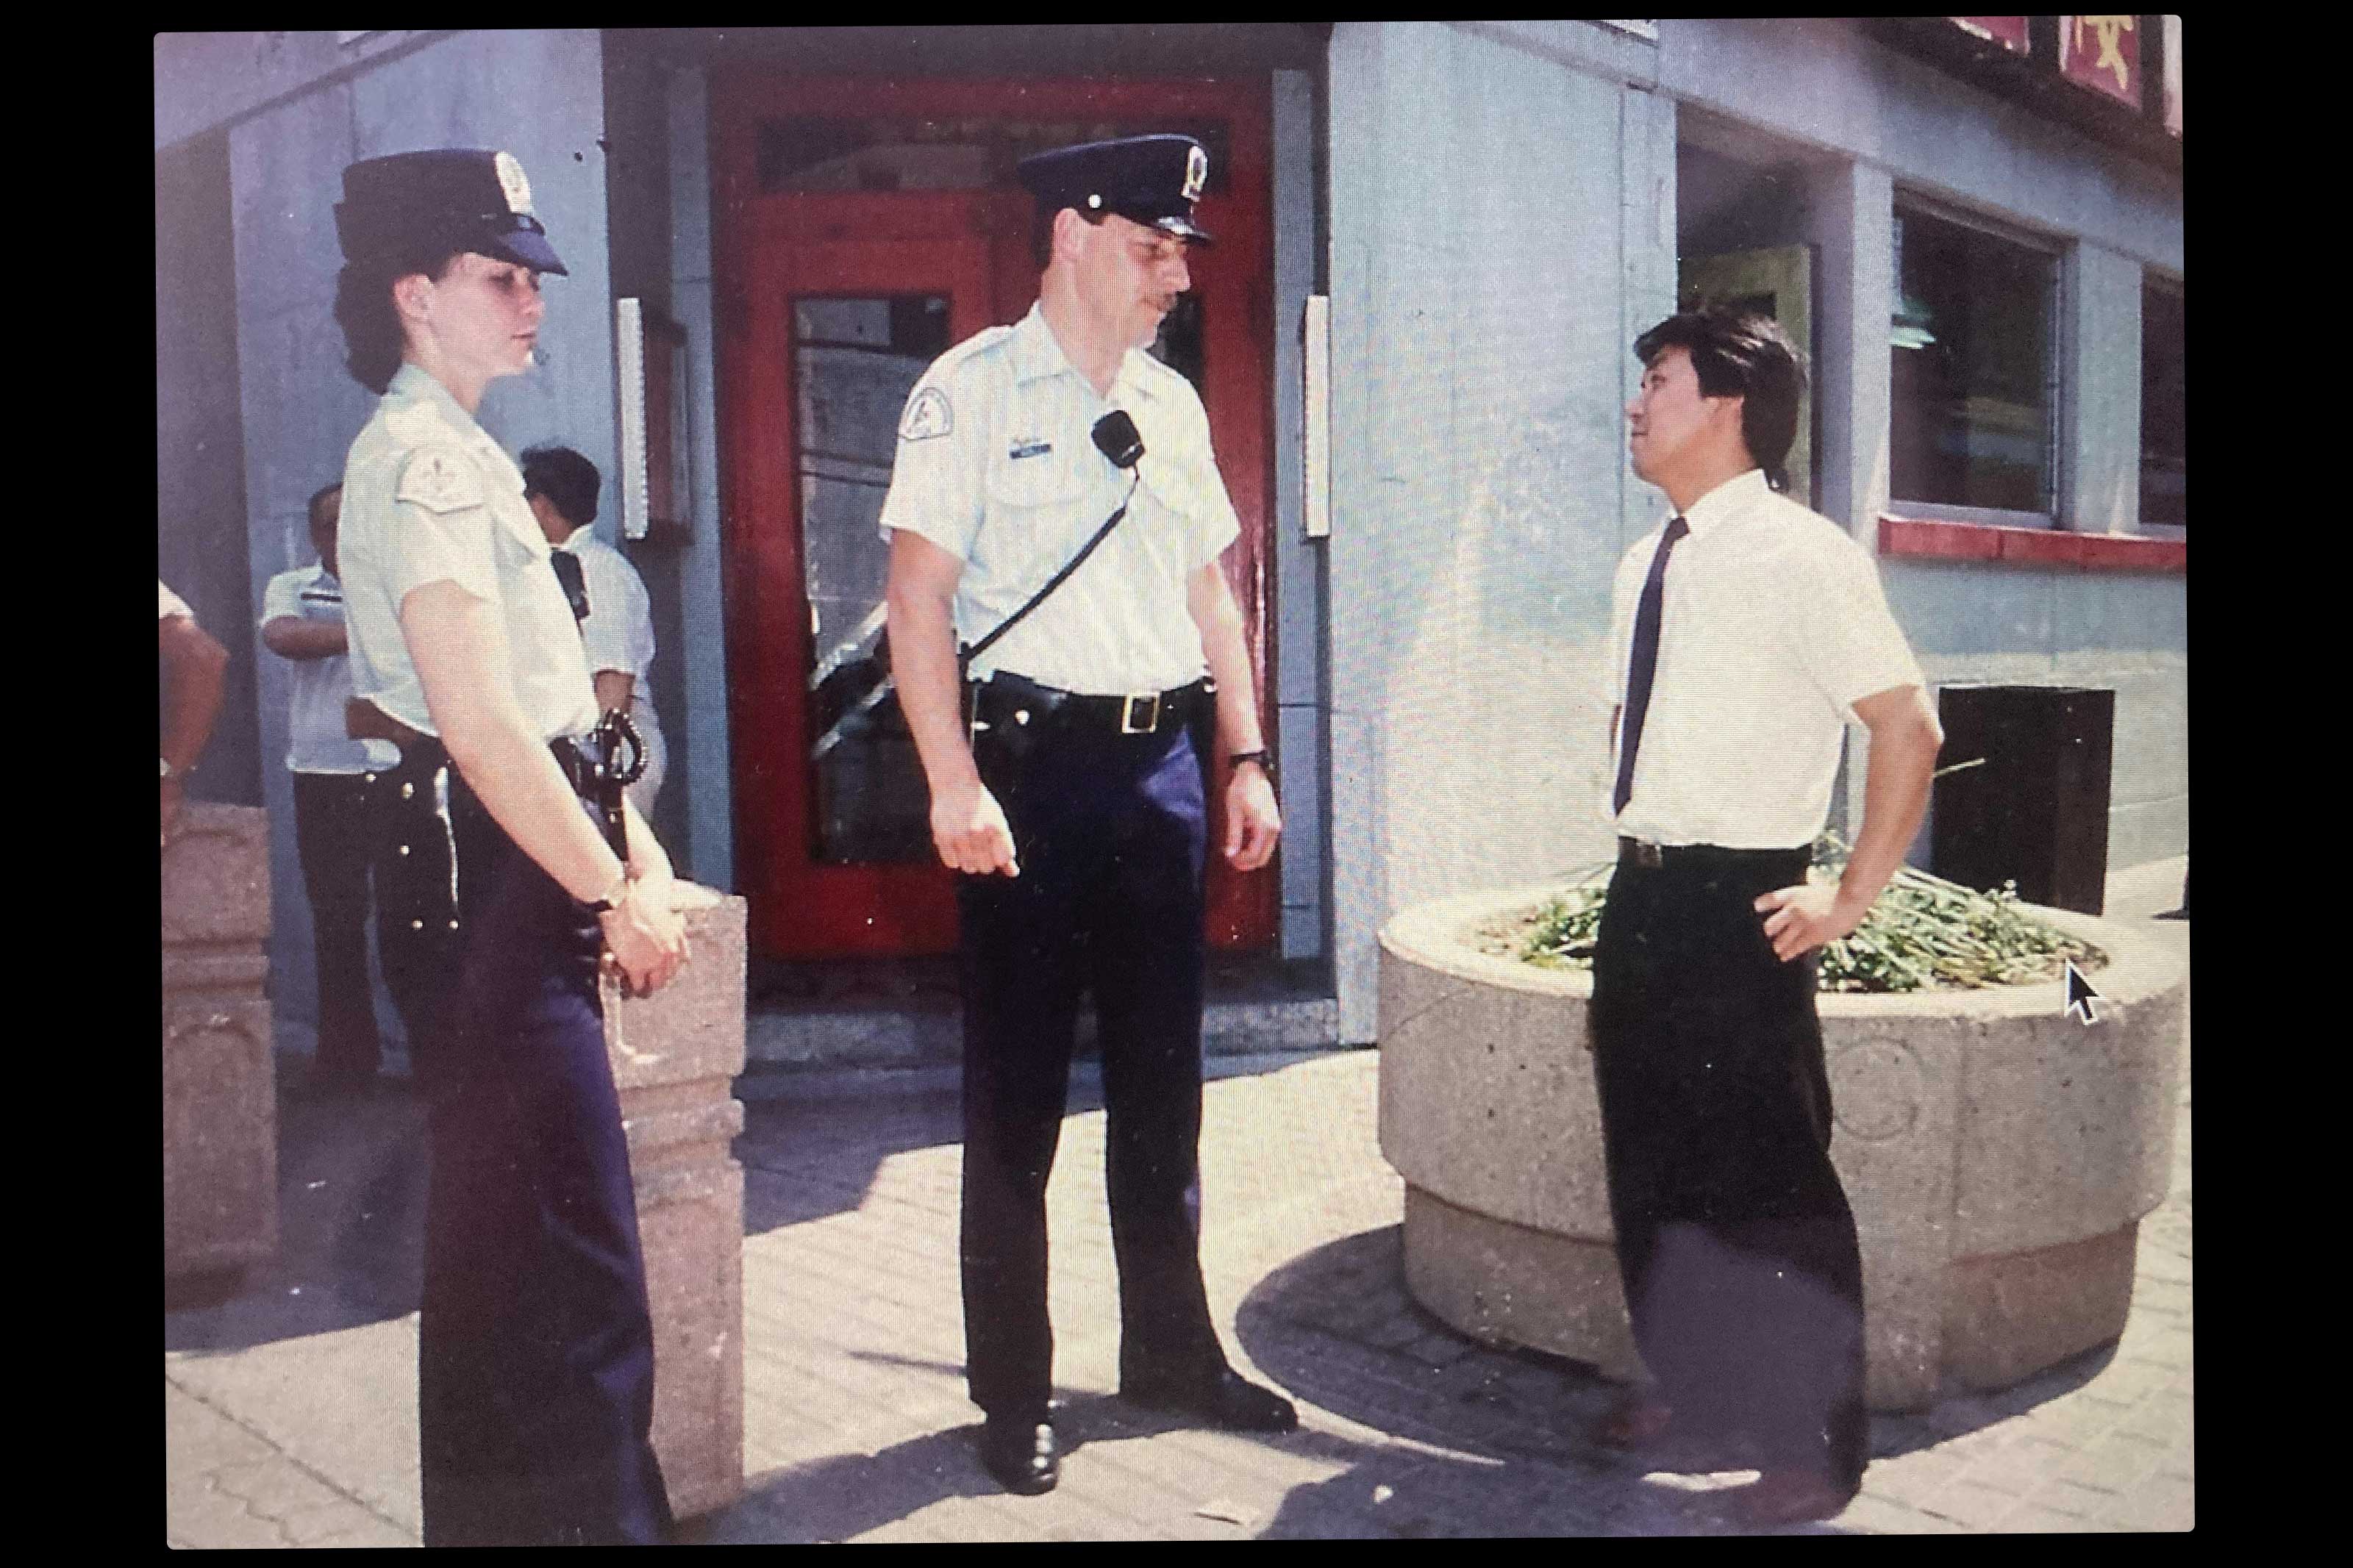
[(614, 757)]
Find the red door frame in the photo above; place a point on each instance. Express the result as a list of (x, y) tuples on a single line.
[(885, 241)]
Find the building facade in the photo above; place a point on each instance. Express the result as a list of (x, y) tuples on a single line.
[(1975, 224)]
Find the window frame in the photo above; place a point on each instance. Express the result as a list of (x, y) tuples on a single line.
[(1906, 200), (2159, 279)]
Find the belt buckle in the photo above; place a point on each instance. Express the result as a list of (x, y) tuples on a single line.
[(1647, 855), (1127, 724)]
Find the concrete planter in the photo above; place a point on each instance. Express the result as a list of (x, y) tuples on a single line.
[(220, 1101), (675, 1057), (1998, 1154)]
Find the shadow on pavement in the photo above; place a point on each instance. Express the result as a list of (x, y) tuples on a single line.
[(350, 1219), (1336, 1327)]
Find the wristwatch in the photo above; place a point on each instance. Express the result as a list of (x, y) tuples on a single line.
[(612, 899), (1262, 757)]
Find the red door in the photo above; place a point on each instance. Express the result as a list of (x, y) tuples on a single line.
[(836, 295)]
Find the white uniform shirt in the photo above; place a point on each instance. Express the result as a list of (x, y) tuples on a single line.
[(998, 467), (168, 604), (316, 741), (618, 634), (429, 497), (1772, 624)]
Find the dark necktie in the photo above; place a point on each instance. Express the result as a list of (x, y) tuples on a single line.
[(576, 584), (1645, 663)]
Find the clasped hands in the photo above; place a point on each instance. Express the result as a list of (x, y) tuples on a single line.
[(645, 936)]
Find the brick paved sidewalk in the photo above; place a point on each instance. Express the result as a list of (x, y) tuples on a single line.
[(289, 1409)]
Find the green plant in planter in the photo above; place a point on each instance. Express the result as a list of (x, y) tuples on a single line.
[(1925, 933)]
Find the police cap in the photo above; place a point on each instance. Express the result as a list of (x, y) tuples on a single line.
[(1150, 180), (464, 198)]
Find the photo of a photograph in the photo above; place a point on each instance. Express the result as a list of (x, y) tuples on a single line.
[(1173, 781)]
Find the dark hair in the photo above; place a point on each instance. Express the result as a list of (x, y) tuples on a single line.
[(312, 509), (566, 479), (1041, 230), (1739, 354), (370, 322)]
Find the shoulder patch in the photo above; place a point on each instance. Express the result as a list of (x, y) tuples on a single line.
[(440, 481), (928, 415)]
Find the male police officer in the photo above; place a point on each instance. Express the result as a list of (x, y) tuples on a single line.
[(1073, 795), (1747, 632)]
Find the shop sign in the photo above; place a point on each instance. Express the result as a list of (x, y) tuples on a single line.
[(2102, 53)]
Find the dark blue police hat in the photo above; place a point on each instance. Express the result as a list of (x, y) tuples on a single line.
[(1150, 180), (464, 198)]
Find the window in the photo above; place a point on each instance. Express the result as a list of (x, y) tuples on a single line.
[(1974, 404), (2163, 449)]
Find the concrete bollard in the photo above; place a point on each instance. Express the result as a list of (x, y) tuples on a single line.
[(220, 1101), (675, 1057)]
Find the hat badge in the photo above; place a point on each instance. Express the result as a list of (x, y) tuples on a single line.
[(1197, 173), (510, 181)]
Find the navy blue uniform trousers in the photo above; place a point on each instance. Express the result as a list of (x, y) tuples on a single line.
[(1736, 1245), (535, 1361), (1109, 830), (351, 830)]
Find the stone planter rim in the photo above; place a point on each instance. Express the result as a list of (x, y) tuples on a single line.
[(1435, 934)]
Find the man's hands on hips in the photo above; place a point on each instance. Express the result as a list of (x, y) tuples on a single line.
[(1253, 821), (969, 830), (1801, 919)]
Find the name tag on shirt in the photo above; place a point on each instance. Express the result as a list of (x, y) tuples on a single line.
[(1028, 447)]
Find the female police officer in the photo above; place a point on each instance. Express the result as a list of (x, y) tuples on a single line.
[(535, 1351)]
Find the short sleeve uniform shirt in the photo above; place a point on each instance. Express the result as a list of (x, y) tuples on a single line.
[(1772, 625), (316, 740), (429, 497), (997, 466)]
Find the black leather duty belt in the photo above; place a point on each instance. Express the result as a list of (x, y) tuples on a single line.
[(1652, 857), (1008, 698)]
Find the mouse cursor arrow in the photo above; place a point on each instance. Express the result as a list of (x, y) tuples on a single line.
[(2082, 1000)]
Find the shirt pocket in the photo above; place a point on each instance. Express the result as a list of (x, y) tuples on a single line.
[(1036, 505)]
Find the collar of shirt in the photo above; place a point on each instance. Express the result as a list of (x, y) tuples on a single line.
[(1037, 353), (1727, 503), (412, 383)]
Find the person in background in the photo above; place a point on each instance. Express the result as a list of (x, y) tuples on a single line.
[(362, 812), (562, 487), (194, 665)]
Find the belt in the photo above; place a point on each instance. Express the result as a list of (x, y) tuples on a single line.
[(1006, 698), (1652, 857)]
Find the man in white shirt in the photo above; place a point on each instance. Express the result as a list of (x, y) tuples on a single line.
[(1747, 633), (1073, 793), (361, 814), (617, 632)]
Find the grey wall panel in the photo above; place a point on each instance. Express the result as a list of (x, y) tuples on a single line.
[(1484, 270)]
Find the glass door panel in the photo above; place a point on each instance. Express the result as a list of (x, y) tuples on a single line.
[(854, 361)]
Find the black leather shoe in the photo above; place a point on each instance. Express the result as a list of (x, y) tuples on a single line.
[(1021, 1452), (1227, 1399)]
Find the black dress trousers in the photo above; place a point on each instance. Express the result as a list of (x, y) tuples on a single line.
[(384, 828), (535, 1358), (1736, 1245), (1109, 830)]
